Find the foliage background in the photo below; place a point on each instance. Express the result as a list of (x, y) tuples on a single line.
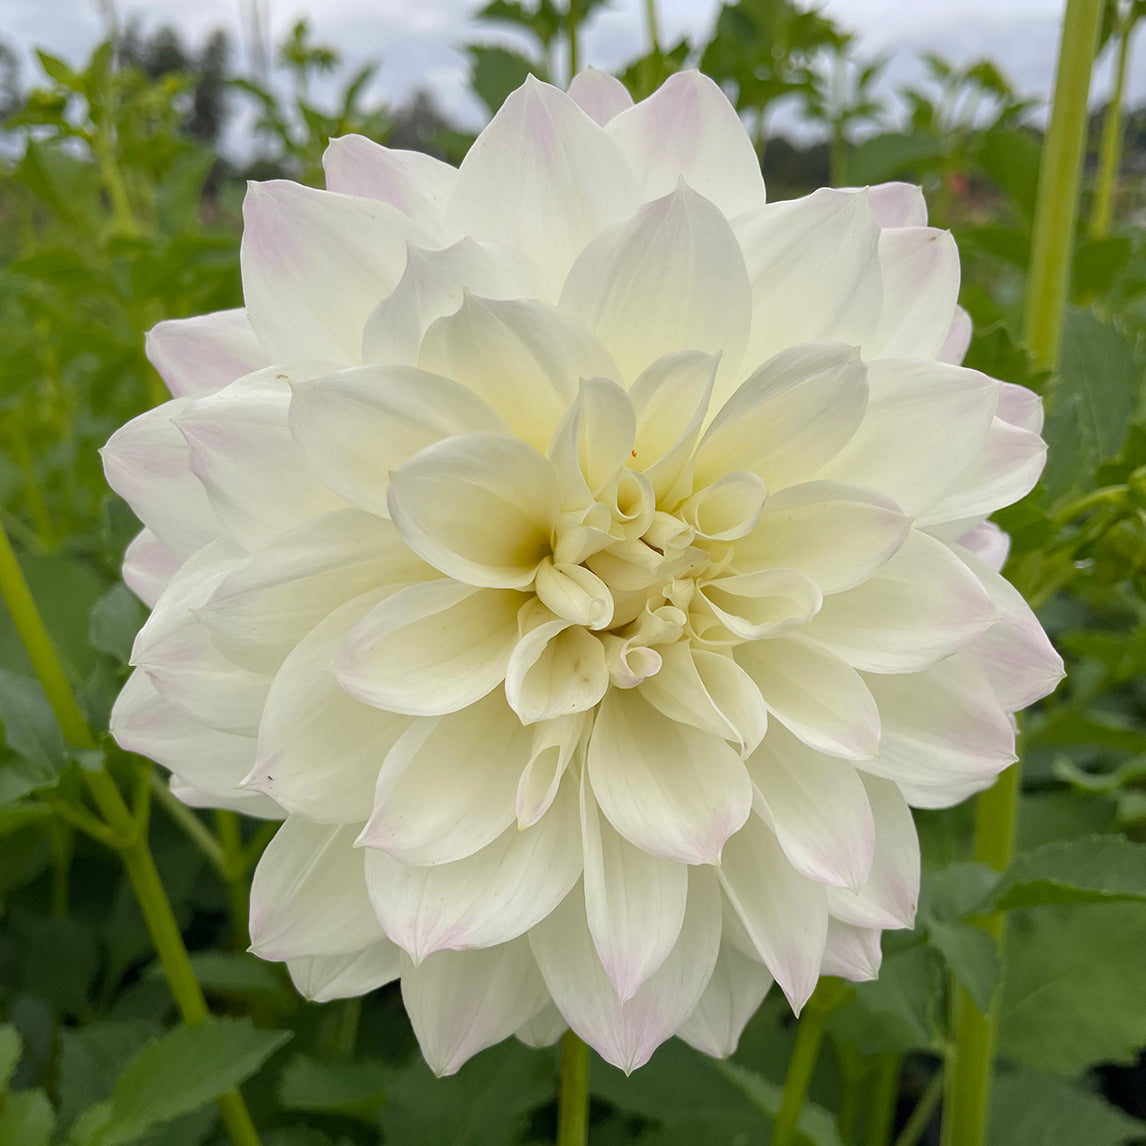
[(117, 210)]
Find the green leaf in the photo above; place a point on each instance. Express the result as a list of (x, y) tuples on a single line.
[(484, 1104), (972, 955), (115, 619), (1094, 869), (899, 1010), (495, 72), (1035, 1110), (884, 157), (10, 1047), (206, 1060), (230, 973), (1092, 404), (355, 1089), (26, 1119), (56, 69), (29, 725), (91, 1059), (816, 1126), (1073, 990)]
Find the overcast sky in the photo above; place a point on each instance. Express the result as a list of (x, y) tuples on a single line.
[(418, 41)]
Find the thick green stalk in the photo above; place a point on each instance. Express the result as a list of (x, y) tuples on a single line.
[(652, 23), (883, 1099), (230, 834), (128, 829), (967, 1082), (802, 1064), (1060, 173), (1110, 151), (573, 1097), (574, 61)]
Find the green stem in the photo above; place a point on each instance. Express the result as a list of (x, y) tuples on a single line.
[(230, 834), (574, 61), (882, 1102), (573, 1098), (924, 1110), (1056, 209), (128, 829), (1110, 151), (854, 1071), (1106, 495), (802, 1064), (193, 827), (652, 22), (838, 156)]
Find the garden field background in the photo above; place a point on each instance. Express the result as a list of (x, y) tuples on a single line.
[(118, 209)]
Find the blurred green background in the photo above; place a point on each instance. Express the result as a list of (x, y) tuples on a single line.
[(119, 209)]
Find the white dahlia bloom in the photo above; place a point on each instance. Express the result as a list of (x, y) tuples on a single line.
[(589, 560)]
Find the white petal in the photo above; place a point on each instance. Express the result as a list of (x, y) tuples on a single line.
[(146, 463), (920, 269), (177, 652), (1020, 407), (574, 593), (488, 898), (814, 267), (448, 787), (322, 978), (524, 357), (479, 507), (687, 128), (954, 348), (987, 542), (203, 354), (670, 398), (757, 605), (600, 95), (433, 285), (634, 901), (815, 695), (670, 278), (835, 533), (737, 987), (897, 205), (143, 721), (940, 726), (728, 509), (709, 691), (461, 1002), (431, 648), (308, 896), (921, 605), (544, 1029), (817, 808), (789, 418), (626, 1033), (1006, 469), (668, 788), (925, 424), (241, 449), (593, 441), (262, 609), (556, 669), (357, 426), (785, 915), (554, 744), (319, 750), (418, 185), (891, 894), (148, 566), (245, 803), (542, 177), (315, 264), (852, 952), (1014, 654)]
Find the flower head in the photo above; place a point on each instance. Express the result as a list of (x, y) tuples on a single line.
[(589, 560)]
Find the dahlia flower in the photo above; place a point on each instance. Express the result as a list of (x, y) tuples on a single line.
[(589, 561)]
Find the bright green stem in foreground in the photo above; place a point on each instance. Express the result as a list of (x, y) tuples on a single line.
[(652, 22), (967, 1085), (1060, 174), (802, 1065), (574, 61), (128, 828), (573, 1098), (882, 1099), (1110, 150)]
